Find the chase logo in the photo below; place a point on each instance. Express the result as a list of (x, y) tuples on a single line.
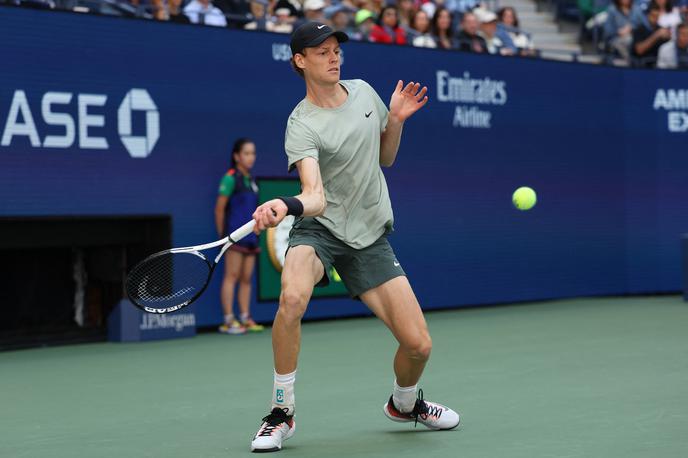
[(81, 126), (137, 145), (279, 396)]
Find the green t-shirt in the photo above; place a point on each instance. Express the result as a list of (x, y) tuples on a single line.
[(346, 143), (228, 183)]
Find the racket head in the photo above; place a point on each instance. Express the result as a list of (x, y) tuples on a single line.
[(168, 281)]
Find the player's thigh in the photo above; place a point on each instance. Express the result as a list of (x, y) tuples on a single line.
[(366, 269), (247, 265), (302, 270), (233, 263), (395, 303)]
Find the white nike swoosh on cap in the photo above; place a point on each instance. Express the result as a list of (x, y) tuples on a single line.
[(321, 26)]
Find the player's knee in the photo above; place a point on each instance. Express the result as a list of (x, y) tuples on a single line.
[(420, 349), (232, 277), (293, 304)]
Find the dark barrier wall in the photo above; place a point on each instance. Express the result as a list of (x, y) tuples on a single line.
[(606, 149)]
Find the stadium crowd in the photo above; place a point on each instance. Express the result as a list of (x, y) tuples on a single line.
[(642, 33), (452, 24), (466, 25)]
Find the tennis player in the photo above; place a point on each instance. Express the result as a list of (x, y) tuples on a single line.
[(337, 138), (236, 201)]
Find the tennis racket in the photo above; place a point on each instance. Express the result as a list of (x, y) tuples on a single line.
[(172, 279)]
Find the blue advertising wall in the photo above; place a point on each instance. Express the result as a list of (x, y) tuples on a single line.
[(605, 148)]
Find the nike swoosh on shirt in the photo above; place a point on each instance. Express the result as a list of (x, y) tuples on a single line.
[(367, 115), (321, 26)]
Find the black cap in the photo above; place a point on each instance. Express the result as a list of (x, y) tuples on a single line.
[(311, 34)]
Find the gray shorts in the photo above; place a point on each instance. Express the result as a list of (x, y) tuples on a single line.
[(360, 270)]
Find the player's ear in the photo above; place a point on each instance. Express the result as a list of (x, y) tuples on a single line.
[(299, 61)]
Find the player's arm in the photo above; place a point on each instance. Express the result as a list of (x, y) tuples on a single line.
[(405, 101), (311, 201), (312, 191), (389, 142)]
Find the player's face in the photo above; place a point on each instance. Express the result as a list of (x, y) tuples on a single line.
[(322, 62), (246, 157)]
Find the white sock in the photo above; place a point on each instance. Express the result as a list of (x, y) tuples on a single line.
[(244, 317), (229, 318), (283, 392), (404, 398)]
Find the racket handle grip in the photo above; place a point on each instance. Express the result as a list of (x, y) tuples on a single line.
[(243, 231)]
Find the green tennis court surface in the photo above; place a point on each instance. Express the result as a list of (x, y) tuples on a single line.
[(575, 378)]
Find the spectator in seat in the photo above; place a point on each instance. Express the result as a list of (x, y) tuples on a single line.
[(341, 17), (159, 10), (365, 21), (443, 30), (420, 34), (174, 12), (674, 54), (313, 10), (468, 38), (488, 30), (622, 17), (509, 31), (375, 6), (284, 21), (405, 10), (261, 19), (387, 29), (648, 37), (669, 16), (205, 13), (294, 6)]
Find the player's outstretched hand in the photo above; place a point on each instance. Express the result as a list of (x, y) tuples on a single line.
[(270, 214), (407, 100)]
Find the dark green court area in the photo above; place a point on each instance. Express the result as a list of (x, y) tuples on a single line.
[(575, 378)]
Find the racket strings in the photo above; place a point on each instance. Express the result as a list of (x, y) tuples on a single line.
[(168, 280)]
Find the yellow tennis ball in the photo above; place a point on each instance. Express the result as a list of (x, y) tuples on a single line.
[(524, 198)]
